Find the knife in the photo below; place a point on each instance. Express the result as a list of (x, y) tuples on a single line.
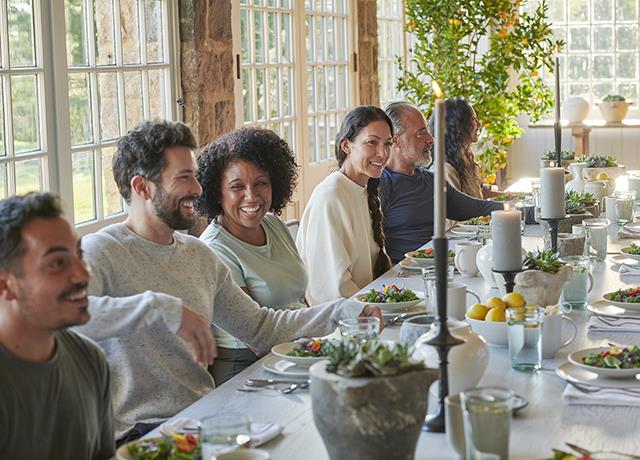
[(262, 382)]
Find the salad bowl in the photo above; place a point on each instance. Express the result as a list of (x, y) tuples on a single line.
[(614, 298), (472, 225), (309, 347), (632, 255), (577, 359), (392, 300), (425, 257)]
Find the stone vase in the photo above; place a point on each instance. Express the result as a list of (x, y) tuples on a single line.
[(370, 418), (542, 288)]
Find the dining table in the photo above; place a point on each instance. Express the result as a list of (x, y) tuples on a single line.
[(545, 423)]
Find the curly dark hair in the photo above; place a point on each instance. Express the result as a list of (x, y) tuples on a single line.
[(141, 151), (262, 147), (15, 213), (459, 130)]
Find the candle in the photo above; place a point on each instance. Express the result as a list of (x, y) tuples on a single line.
[(556, 125), (552, 193), (507, 241), (440, 186)]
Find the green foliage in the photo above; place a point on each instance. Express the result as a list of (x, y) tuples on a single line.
[(371, 359), (546, 261), (613, 98), (577, 203), (600, 161), (564, 155), (500, 82)]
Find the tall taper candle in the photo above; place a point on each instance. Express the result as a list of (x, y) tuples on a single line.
[(439, 199), (507, 240), (552, 193), (557, 129)]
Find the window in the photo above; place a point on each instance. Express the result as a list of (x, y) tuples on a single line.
[(391, 45)]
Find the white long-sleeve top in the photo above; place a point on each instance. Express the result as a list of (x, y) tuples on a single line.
[(335, 239)]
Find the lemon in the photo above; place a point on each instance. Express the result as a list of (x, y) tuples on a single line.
[(514, 299), (496, 314), (477, 311), (602, 176), (495, 302)]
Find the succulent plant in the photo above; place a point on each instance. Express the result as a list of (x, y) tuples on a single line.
[(546, 261), (600, 161), (564, 155), (371, 359), (577, 203), (613, 98)]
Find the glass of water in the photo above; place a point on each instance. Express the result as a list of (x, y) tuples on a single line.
[(224, 433), (575, 291), (359, 330), (595, 245), (625, 206), (524, 332)]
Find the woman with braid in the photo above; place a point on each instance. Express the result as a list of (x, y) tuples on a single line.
[(340, 236)]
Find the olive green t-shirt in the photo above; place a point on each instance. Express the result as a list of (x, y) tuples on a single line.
[(60, 409)]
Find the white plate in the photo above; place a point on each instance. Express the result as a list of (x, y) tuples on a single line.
[(576, 359), (276, 365), (462, 233), (626, 305), (397, 307), (409, 264), (423, 261), (282, 351), (602, 308), (417, 308), (568, 371), (624, 252), (472, 228)]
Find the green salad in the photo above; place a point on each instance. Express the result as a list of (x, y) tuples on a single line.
[(389, 294), (429, 254), (615, 358), (175, 447), (633, 249), (631, 295), (481, 220), (311, 348)]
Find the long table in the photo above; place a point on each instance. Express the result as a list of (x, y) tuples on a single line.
[(545, 423)]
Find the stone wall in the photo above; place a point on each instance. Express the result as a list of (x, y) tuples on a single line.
[(367, 48)]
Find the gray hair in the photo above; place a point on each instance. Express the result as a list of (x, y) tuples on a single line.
[(395, 111)]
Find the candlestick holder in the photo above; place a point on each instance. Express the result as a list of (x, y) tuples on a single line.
[(509, 278), (554, 223), (443, 341)]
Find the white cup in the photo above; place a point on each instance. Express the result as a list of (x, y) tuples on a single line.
[(552, 337), (465, 258), (610, 208), (457, 300), (454, 424)]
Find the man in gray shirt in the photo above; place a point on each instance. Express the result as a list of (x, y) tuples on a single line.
[(154, 292), (55, 398)]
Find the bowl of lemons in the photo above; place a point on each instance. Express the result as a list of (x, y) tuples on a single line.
[(489, 319)]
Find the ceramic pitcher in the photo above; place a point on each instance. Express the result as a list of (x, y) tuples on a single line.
[(577, 183)]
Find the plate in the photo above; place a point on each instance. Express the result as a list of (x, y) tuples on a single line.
[(122, 453), (575, 358), (519, 403), (625, 252), (282, 351), (568, 371), (396, 307), (472, 228), (409, 264), (602, 308), (417, 308), (462, 233), (279, 366), (423, 261), (626, 305)]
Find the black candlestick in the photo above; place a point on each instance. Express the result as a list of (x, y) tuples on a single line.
[(443, 341), (557, 134), (509, 278), (554, 223)]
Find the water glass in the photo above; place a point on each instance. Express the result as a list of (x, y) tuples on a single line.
[(487, 417), (625, 206), (429, 279), (633, 179), (224, 433), (524, 332), (595, 245), (574, 292), (535, 197), (359, 330)]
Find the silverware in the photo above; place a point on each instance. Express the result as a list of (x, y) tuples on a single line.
[(609, 321), (584, 451), (587, 389), (265, 382), (402, 317), (294, 386)]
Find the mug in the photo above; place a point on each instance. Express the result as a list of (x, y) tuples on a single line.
[(552, 335), (457, 300), (454, 424), (465, 258)]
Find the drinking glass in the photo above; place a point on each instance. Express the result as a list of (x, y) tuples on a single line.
[(574, 292), (524, 332), (224, 433), (359, 330), (633, 178), (535, 197), (429, 279), (595, 245), (487, 417), (625, 205)]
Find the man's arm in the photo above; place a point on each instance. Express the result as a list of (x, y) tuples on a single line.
[(106, 423), (461, 206)]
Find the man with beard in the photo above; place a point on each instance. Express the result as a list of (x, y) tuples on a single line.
[(406, 186), (55, 399), (153, 288)]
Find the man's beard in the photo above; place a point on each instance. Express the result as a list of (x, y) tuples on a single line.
[(169, 212)]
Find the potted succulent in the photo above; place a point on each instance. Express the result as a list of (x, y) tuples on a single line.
[(549, 156), (543, 277), (614, 108), (369, 401)]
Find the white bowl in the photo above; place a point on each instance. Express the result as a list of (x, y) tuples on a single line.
[(575, 358), (281, 351), (391, 307), (626, 252), (423, 261), (626, 305), (244, 454), (494, 332)]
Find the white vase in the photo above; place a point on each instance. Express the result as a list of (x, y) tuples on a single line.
[(485, 263), (577, 183), (467, 362), (575, 109)]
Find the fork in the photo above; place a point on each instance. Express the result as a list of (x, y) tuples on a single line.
[(589, 390), (584, 451), (613, 323), (294, 386)]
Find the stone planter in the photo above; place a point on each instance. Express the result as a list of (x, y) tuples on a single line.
[(614, 111), (370, 418), (570, 245), (542, 288), (564, 226), (611, 171)]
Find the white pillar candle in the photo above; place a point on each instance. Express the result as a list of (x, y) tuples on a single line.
[(507, 241), (552, 193), (440, 186)]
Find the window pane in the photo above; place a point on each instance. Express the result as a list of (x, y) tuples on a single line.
[(258, 26), (626, 10), (3, 181), (603, 38), (103, 23), (578, 68), (244, 35), (274, 110), (2, 139), (600, 90), (557, 11), (285, 37), (603, 67), (130, 31), (578, 10), (28, 176), (272, 44), (111, 199), (80, 109), (24, 100), (260, 94), (157, 103), (247, 102), (579, 39), (108, 106), (83, 190), (76, 33), (153, 28), (627, 37), (627, 65), (133, 98), (287, 81), (628, 90), (602, 10), (20, 31)]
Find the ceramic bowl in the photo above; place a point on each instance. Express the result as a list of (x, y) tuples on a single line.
[(494, 332)]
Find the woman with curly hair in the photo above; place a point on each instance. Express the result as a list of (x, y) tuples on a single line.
[(340, 237), (247, 178)]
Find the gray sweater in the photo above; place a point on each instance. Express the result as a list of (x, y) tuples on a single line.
[(136, 293)]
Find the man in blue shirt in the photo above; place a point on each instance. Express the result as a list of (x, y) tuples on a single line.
[(406, 186)]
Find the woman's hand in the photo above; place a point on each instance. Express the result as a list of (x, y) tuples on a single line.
[(368, 310)]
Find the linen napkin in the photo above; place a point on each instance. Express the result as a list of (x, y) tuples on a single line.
[(613, 324), (261, 432), (626, 269), (629, 232), (601, 397)]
